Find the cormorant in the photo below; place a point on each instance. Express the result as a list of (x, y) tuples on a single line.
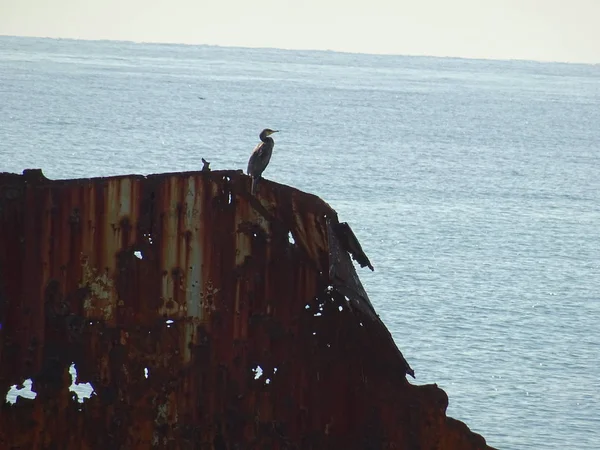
[(260, 157)]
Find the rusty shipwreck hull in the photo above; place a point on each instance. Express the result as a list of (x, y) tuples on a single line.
[(171, 294)]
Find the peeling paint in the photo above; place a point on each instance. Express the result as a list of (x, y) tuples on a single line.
[(101, 291)]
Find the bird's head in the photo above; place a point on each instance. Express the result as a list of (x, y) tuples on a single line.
[(268, 132)]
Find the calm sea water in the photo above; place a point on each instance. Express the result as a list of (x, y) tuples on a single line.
[(474, 187)]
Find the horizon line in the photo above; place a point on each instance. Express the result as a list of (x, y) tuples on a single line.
[(346, 52)]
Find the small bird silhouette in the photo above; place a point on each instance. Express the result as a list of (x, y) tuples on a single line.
[(259, 160)]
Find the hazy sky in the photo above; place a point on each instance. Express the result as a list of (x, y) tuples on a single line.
[(555, 30)]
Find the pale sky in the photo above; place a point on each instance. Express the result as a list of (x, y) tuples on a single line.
[(544, 30)]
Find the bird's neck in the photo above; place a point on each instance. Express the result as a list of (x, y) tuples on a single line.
[(266, 138)]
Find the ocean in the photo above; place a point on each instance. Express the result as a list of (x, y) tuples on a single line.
[(472, 185)]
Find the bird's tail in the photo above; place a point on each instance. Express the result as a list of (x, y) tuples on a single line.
[(254, 185)]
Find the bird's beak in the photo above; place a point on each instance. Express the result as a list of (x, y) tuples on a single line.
[(274, 131)]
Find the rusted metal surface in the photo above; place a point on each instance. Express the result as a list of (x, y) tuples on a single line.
[(168, 293), (350, 243)]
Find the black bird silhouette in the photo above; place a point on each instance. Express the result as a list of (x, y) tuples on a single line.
[(259, 160)]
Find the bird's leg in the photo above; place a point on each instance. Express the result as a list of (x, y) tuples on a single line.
[(254, 184)]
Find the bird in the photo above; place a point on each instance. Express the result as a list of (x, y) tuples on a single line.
[(259, 160)]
